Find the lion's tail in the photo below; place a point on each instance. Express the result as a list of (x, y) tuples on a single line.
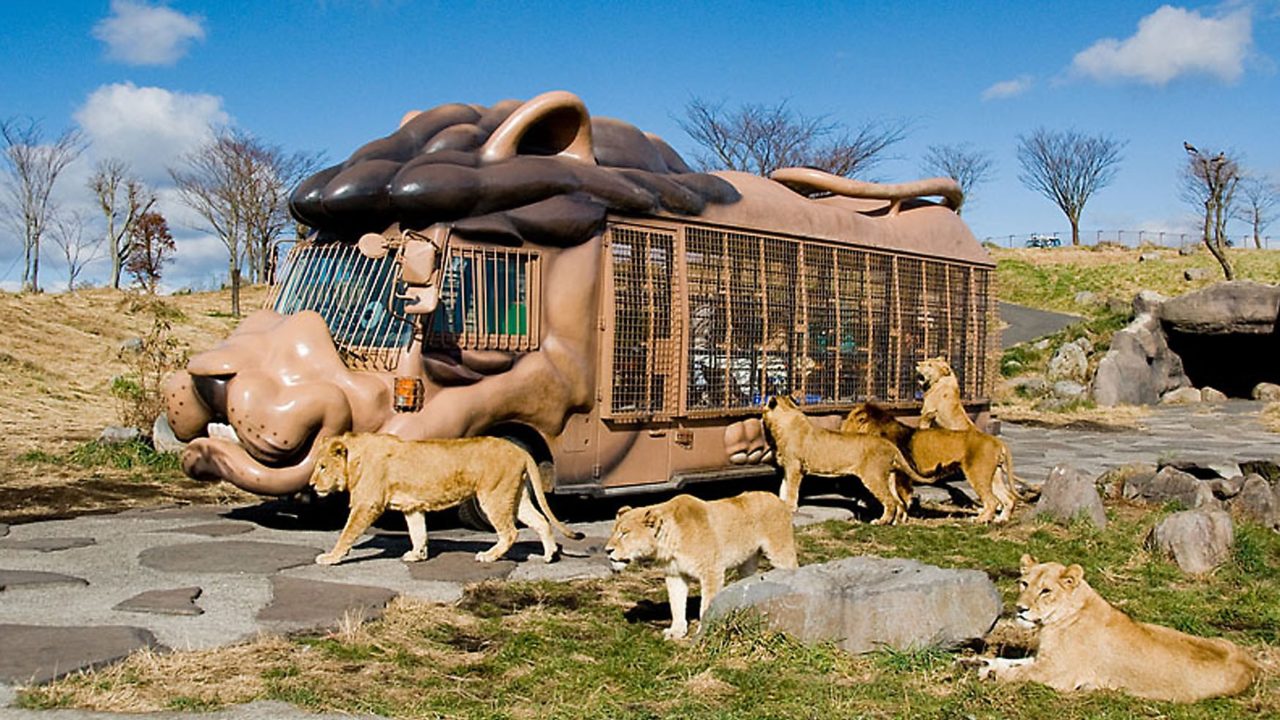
[(901, 464), (1006, 467), (535, 481)]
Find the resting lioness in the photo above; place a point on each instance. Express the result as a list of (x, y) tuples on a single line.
[(942, 407), (698, 540), (415, 477), (803, 449), (1086, 644), (985, 460)]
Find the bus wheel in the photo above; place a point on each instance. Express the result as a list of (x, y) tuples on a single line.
[(472, 517)]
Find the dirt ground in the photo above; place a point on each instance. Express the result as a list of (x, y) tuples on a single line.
[(58, 354)]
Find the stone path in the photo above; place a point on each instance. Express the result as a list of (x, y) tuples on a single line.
[(78, 593), (1024, 323)]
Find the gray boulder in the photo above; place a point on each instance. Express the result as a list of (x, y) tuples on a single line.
[(1268, 469), (867, 603), (1181, 396), (1204, 466), (1067, 494), (1068, 390), (1257, 502), (1170, 485), (1071, 362), (1148, 256), (1237, 307), (1111, 483), (1139, 367), (1188, 249), (162, 437), (1031, 386), (1197, 540), (1086, 297), (118, 435), (1266, 392), (1212, 395), (1194, 274), (1227, 488)]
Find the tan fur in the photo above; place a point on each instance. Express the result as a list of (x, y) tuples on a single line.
[(985, 460), (803, 449), (1086, 644), (942, 407), (416, 477), (696, 540)]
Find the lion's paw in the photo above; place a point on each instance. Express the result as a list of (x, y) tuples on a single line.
[(486, 557), (675, 633), (328, 558), (414, 556)]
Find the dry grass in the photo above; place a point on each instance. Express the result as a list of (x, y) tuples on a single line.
[(1126, 417), (59, 353)]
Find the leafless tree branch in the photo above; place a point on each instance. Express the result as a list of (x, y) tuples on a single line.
[(29, 169), (967, 166), (1068, 168)]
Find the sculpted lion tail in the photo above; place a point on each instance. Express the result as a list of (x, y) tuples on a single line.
[(535, 480)]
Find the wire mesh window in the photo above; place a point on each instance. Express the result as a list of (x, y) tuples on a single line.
[(357, 297), (489, 300), (645, 371)]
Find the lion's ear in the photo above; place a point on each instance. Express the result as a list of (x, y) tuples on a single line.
[(623, 511), (553, 123), (1027, 562), (773, 401), (1072, 576)]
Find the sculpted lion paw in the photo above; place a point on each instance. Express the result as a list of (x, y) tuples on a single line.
[(329, 558)]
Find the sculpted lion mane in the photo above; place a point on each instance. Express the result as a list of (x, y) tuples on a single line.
[(416, 477), (1086, 644), (692, 539)]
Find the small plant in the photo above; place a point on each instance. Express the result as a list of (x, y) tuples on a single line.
[(152, 358)]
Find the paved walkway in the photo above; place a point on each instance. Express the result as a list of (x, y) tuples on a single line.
[(83, 592)]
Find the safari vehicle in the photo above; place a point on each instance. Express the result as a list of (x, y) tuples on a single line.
[(567, 282)]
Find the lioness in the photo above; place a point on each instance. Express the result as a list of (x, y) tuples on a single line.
[(942, 407), (804, 449), (1086, 644), (694, 539), (415, 477), (985, 460)]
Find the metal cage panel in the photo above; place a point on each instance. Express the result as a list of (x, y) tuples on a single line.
[(490, 299), (644, 365)]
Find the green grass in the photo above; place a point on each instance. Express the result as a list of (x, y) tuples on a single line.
[(135, 455), (582, 650)]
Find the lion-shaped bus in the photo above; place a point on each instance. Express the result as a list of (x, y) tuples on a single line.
[(528, 271)]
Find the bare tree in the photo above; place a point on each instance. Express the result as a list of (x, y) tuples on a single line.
[(1209, 182), (78, 250), (151, 247), (29, 170), (965, 165), (123, 199), (759, 138), (1261, 198), (1068, 168), (239, 186)]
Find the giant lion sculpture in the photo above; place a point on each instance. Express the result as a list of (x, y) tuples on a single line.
[(540, 174)]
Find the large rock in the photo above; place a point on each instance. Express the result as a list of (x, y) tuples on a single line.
[(1197, 540), (1181, 396), (162, 437), (1139, 367), (1257, 502), (1266, 392), (1067, 494), (1235, 307), (1111, 483), (1212, 395), (1170, 485), (867, 603), (1071, 362), (118, 435)]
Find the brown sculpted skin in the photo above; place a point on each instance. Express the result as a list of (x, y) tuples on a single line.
[(803, 449), (1086, 644), (942, 407), (416, 477), (984, 460), (691, 539)]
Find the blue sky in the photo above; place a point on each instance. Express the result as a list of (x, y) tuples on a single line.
[(144, 80)]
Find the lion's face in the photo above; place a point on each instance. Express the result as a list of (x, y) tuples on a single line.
[(780, 406), (932, 370), (330, 473), (634, 537), (1049, 591)]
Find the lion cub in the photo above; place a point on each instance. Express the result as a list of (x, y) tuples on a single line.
[(699, 540), (803, 449), (1086, 644), (984, 459), (416, 477), (942, 407)]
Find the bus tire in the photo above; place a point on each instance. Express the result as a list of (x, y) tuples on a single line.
[(472, 517)]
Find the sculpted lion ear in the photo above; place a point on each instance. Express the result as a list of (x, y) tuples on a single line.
[(1072, 576), (553, 123), (1027, 562)]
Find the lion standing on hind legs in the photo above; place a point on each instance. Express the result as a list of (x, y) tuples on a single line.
[(942, 407), (803, 449)]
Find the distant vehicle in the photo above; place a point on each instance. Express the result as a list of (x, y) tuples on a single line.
[(1044, 241)]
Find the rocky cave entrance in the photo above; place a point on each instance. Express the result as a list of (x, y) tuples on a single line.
[(1231, 362)]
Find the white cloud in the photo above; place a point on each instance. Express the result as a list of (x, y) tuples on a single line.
[(1008, 88), (140, 34), (1172, 42), (149, 127)]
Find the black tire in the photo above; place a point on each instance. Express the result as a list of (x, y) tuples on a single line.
[(472, 517)]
